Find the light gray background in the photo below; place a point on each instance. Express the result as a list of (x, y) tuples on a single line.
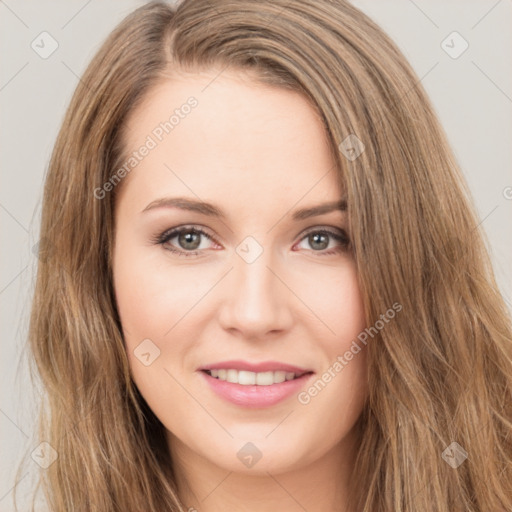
[(472, 95)]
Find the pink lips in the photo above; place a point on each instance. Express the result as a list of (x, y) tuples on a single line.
[(254, 396)]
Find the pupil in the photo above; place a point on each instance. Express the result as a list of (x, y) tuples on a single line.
[(314, 240), (188, 238)]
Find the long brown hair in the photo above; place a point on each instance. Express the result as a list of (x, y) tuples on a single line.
[(440, 373)]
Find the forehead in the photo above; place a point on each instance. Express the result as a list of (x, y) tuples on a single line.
[(219, 133)]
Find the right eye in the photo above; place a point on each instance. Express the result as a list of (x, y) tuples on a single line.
[(188, 240)]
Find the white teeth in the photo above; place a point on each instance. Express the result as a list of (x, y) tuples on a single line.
[(246, 378), (232, 376), (265, 378), (279, 377), (251, 378)]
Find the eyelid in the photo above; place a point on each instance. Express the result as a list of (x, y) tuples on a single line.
[(174, 231), (329, 229)]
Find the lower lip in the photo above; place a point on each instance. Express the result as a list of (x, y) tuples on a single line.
[(255, 396)]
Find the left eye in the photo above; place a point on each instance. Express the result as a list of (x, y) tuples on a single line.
[(189, 240), (319, 240)]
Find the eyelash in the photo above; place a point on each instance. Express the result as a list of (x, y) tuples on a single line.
[(164, 237)]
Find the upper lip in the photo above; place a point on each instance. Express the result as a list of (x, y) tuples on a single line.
[(264, 366)]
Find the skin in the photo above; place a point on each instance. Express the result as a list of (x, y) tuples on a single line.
[(258, 153)]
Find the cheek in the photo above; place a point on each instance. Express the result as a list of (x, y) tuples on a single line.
[(151, 299), (162, 312), (141, 294), (152, 296), (333, 295), (337, 394)]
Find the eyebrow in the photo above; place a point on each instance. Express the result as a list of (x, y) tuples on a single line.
[(211, 210)]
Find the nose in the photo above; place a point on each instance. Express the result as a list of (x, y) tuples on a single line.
[(256, 300)]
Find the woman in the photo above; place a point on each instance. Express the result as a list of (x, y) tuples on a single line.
[(255, 368)]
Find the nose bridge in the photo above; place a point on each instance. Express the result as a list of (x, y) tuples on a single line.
[(255, 301)]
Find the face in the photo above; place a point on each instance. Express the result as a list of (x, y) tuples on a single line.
[(236, 313)]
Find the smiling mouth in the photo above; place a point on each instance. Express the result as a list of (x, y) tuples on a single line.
[(247, 378)]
